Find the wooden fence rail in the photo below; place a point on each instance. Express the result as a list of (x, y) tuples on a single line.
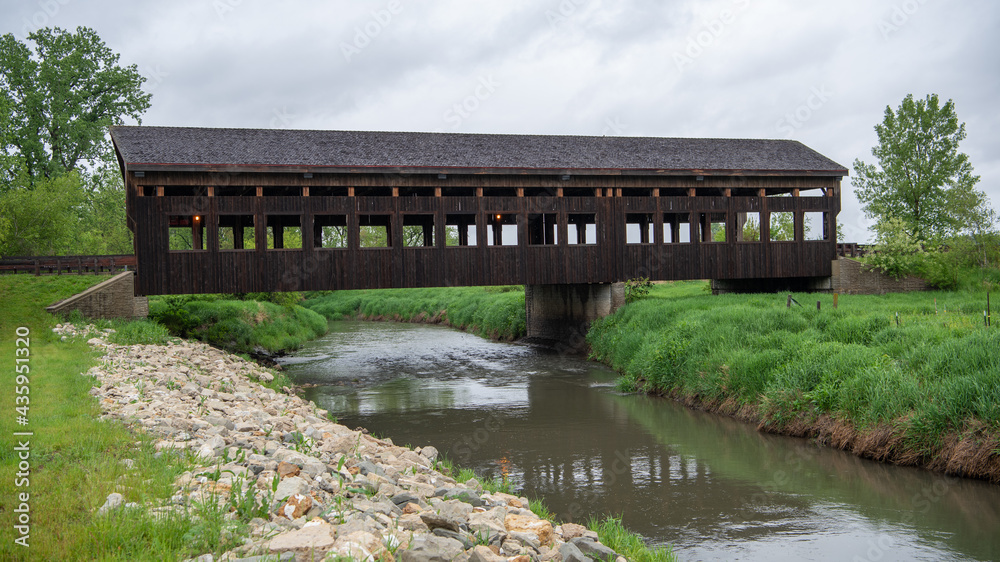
[(852, 249), (57, 265)]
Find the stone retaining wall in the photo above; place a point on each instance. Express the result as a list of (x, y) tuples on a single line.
[(851, 277), (114, 298)]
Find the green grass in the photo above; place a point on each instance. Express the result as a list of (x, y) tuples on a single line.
[(493, 312), (75, 459), (626, 543), (239, 326), (937, 371), (539, 508)]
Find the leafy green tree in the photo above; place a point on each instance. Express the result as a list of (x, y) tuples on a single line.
[(751, 229), (981, 227), (920, 178), (61, 97), (42, 220), (782, 226), (102, 227), (334, 237), (374, 237), (897, 251)]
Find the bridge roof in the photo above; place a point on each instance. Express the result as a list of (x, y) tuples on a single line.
[(279, 150)]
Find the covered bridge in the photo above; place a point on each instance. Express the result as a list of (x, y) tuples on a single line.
[(248, 210)]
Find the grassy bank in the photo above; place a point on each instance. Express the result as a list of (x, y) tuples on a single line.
[(493, 312), (246, 326), (924, 390), (74, 459)]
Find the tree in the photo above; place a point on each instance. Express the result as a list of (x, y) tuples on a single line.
[(921, 178), (61, 97), (42, 220), (102, 227), (782, 226), (897, 252)]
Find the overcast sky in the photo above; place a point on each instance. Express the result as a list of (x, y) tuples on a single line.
[(820, 73)]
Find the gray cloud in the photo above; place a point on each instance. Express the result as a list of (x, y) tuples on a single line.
[(819, 73)]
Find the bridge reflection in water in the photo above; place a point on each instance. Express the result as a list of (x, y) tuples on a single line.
[(714, 487)]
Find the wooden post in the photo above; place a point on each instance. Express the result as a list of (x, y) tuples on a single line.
[(279, 236), (789, 303), (818, 305), (196, 230), (835, 295)]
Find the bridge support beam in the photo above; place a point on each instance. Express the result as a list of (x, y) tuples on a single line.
[(560, 315)]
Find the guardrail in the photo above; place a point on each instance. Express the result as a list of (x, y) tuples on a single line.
[(57, 265), (852, 249)]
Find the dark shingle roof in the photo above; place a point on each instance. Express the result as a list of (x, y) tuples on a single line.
[(148, 148)]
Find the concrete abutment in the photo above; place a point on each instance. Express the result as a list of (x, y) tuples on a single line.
[(561, 314)]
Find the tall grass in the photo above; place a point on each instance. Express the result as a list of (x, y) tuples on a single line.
[(494, 312), (931, 373), (615, 536)]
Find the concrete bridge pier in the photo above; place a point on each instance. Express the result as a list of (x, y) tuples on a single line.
[(560, 315)]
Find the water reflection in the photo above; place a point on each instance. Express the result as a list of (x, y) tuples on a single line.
[(715, 488)]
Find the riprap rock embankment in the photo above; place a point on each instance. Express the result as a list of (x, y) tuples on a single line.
[(318, 488)]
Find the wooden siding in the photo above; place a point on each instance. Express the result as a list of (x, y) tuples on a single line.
[(611, 259)]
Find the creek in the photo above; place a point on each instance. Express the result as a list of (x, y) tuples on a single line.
[(713, 487)]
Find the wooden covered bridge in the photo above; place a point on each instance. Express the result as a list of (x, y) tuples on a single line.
[(248, 210)]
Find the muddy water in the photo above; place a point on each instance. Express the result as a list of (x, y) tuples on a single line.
[(714, 488)]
